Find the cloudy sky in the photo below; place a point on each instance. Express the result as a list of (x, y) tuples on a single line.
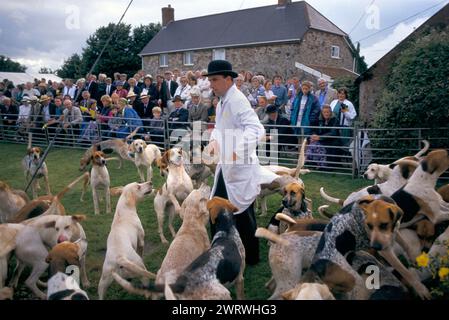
[(42, 33)]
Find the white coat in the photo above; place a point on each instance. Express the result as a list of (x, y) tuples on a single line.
[(238, 129)]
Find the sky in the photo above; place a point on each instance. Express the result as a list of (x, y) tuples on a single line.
[(42, 33)]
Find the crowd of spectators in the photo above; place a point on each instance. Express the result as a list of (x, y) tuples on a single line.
[(94, 108)]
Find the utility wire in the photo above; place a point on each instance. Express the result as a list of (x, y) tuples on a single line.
[(361, 17), (393, 25), (77, 95)]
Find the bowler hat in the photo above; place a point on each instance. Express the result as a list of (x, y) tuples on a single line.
[(220, 67), (271, 109)]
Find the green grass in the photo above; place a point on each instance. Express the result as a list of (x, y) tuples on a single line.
[(63, 168)]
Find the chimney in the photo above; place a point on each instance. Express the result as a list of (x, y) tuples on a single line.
[(168, 15), (283, 3)]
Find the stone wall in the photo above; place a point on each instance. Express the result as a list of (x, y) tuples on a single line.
[(266, 59), (315, 49)]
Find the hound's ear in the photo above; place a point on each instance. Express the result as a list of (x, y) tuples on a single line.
[(78, 217), (284, 190), (364, 202), (131, 147), (395, 213), (303, 201), (203, 206), (144, 144), (39, 150), (102, 154), (29, 150), (165, 158)]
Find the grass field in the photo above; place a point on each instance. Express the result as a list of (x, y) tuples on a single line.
[(63, 168)]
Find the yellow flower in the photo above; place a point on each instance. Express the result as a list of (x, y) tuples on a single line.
[(423, 260), (443, 272)]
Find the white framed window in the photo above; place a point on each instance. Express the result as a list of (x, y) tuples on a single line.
[(335, 52), (163, 60), (188, 58), (218, 54)]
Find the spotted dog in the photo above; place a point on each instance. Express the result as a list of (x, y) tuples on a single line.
[(370, 223), (289, 254), (381, 172), (418, 197), (390, 287), (402, 170), (223, 263)]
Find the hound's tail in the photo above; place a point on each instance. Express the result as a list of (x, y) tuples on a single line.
[(30, 139), (169, 295), (329, 198), (70, 186), (134, 268), (324, 213), (423, 150), (301, 159), (267, 234), (285, 218), (131, 289)]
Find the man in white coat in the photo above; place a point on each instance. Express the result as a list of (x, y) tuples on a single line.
[(237, 132)]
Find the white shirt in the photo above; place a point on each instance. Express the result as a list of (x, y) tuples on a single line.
[(69, 91), (184, 92), (24, 112), (204, 85), (46, 110), (302, 106), (238, 130), (346, 118)]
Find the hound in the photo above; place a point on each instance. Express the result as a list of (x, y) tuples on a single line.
[(177, 187), (294, 204), (61, 259), (114, 145), (224, 263), (290, 253), (286, 175), (126, 240), (144, 157), (11, 201), (309, 291), (418, 197), (381, 172), (197, 170), (99, 178), (369, 223), (30, 165), (402, 170), (190, 242), (64, 287), (54, 229)]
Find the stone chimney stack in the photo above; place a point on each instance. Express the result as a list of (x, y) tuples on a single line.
[(168, 15), (283, 3)]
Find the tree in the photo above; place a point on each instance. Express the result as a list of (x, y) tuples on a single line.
[(45, 70), (120, 55), (8, 65), (416, 91)]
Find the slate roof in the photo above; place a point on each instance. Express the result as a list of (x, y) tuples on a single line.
[(269, 24)]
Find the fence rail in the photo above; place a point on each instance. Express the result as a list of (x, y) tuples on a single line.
[(340, 150)]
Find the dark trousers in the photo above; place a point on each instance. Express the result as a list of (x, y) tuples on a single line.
[(245, 223)]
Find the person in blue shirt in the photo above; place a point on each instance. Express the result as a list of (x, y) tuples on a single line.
[(280, 91), (131, 119), (306, 110)]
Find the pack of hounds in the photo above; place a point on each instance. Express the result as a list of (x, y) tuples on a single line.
[(386, 225)]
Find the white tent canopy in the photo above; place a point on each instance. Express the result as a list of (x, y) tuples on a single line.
[(24, 77)]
